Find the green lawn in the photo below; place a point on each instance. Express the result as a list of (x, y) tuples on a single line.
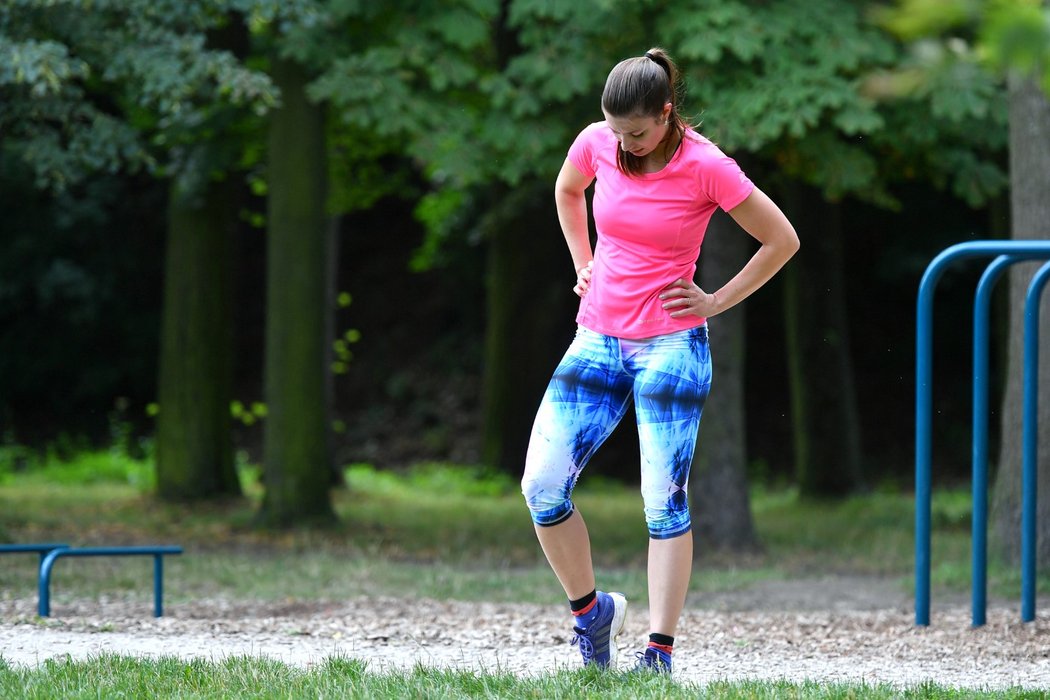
[(115, 676)]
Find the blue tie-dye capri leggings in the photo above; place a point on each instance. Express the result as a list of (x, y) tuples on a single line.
[(668, 376)]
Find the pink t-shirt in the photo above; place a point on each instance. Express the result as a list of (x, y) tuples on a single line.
[(650, 228)]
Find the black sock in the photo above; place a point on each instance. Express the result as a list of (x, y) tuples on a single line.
[(664, 640), (582, 603)]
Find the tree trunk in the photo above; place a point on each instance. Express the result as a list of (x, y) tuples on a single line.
[(721, 505), (297, 472), (1030, 215), (530, 318), (825, 417), (331, 304), (194, 447)]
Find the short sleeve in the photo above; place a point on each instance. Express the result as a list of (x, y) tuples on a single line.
[(723, 181), (582, 152)]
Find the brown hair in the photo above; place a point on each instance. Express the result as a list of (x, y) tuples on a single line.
[(640, 87)]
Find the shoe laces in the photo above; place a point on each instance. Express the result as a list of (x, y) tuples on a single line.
[(584, 642), (651, 659)]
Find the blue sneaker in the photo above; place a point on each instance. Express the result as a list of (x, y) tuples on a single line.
[(598, 641), (653, 660)]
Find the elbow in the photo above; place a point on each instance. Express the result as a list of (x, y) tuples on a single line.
[(791, 243), (567, 200), (784, 247), (565, 195)]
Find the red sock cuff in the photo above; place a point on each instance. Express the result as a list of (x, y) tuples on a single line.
[(587, 609), (667, 648)]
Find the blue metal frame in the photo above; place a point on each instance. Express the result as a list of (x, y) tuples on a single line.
[(1029, 441), (1009, 252), (157, 552)]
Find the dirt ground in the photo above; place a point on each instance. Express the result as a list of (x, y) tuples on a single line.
[(827, 629)]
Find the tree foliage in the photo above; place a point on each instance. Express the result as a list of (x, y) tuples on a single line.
[(105, 86), (1002, 35)]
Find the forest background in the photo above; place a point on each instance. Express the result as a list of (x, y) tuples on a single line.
[(307, 234)]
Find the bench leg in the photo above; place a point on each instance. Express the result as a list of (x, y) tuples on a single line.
[(44, 586), (158, 585)]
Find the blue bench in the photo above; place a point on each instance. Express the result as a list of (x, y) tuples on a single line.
[(47, 563)]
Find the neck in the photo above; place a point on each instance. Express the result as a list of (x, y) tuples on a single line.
[(668, 147), (671, 144)]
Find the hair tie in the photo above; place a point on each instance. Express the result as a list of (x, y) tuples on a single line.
[(651, 56)]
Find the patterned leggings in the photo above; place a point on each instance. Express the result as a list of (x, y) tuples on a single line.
[(668, 376)]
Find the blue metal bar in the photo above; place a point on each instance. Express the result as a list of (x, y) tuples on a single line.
[(46, 566), (923, 427), (923, 394), (1029, 441), (35, 547), (979, 486), (158, 585), (41, 548)]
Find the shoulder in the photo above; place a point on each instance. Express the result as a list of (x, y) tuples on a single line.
[(590, 150), (717, 174), (590, 145), (703, 148), (596, 132), (705, 158)]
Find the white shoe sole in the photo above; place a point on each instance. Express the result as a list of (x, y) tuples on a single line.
[(619, 617)]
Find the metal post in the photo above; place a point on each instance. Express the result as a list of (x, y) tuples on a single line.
[(1029, 441), (44, 583), (923, 427), (979, 486), (158, 585)]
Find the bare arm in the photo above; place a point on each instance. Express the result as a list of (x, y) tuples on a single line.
[(761, 218), (570, 198)]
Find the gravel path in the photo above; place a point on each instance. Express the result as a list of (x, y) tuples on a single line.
[(839, 629)]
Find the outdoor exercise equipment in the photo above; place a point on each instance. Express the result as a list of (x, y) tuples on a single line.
[(50, 552), (1006, 253), (157, 552)]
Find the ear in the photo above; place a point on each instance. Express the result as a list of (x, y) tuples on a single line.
[(668, 109)]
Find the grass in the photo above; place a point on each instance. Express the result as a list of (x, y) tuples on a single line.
[(438, 531), (239, 677)]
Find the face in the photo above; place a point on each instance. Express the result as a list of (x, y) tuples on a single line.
[(639, 135)]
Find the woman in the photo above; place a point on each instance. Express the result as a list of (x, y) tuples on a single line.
[(642, 335)]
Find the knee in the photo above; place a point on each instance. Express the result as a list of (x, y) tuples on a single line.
[(547, 506), (669, 518)]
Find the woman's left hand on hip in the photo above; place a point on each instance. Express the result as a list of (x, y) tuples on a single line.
[(685, 298)]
